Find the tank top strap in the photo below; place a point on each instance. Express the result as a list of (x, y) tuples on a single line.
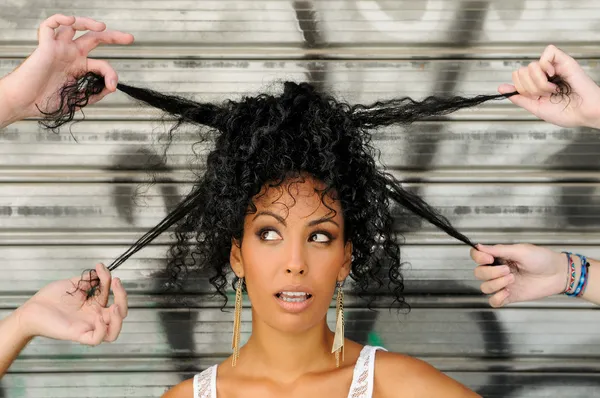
[(205, 383), (364, 372)]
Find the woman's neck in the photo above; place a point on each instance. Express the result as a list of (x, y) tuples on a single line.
[(287, 356)]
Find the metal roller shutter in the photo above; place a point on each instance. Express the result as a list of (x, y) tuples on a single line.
[(499, 175)]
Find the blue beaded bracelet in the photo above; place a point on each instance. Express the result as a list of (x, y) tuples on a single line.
[(587, 278)]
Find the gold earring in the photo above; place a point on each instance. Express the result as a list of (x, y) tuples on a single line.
[(338, 338), (235, 342)]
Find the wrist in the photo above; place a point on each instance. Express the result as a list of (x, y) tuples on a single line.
[(21, 323), (563, 272), (594, 121)]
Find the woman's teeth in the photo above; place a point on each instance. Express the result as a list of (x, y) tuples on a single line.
[(294, 297)]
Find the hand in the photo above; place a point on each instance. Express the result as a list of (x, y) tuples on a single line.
[(61, 311), (580, 108), (533, 273), (56, 60)]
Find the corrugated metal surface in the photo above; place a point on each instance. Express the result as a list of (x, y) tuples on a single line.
[(497, 173)]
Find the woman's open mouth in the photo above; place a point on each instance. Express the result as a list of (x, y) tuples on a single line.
[(293, 301)]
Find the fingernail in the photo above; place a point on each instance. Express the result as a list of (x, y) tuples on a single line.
[(113, 84), (103, 267), (505, 269), (511, 278), (117, 282), (116, 309)]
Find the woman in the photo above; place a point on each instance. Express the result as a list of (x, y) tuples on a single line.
[(292, 228)]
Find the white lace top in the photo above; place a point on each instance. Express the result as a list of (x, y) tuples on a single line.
[(205, 383)]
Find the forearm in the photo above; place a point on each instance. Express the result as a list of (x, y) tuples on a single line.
[(8, 113), (12, 341)]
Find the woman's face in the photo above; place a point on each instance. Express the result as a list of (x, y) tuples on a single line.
[(292, 253)]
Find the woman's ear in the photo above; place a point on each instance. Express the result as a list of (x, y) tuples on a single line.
[(235, 258), (347, 265)]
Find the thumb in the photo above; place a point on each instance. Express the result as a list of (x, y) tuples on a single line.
[(498, 251), (93, 334), (526, 103)]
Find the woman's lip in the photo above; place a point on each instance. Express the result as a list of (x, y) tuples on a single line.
[(294, 307), (296, 288)]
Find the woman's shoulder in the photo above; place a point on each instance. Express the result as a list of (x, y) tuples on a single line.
[(415, 378)]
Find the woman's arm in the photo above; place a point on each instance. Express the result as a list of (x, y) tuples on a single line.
[(56, 60), (60, 311)]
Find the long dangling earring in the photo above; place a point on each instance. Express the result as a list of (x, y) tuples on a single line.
[(338, 339), (235, 342)]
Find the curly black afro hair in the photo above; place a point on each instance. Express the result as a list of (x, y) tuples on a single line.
[(270, 139)]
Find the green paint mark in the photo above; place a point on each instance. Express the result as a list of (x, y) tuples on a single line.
[(375, 339)]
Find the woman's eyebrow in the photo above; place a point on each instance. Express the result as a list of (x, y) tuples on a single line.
[(322, 220), (270, 213), (282, 220)]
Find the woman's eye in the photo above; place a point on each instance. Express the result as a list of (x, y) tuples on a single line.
[(269, 235), (320, 238)]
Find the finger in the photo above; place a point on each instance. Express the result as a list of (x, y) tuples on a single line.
[(554, 59), (65, 33), (110, 76), (500, 299), (546, 60), (517, 82), (120, 297), (522, 90), (527, 83), (520, 100), (104, 275), (96, 334), (502, 251), (46, 30), (486, 273), (481, 258), (91, 40), (540, 79), (83, 23), (506, 89), (494, 285), (115, 325)]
